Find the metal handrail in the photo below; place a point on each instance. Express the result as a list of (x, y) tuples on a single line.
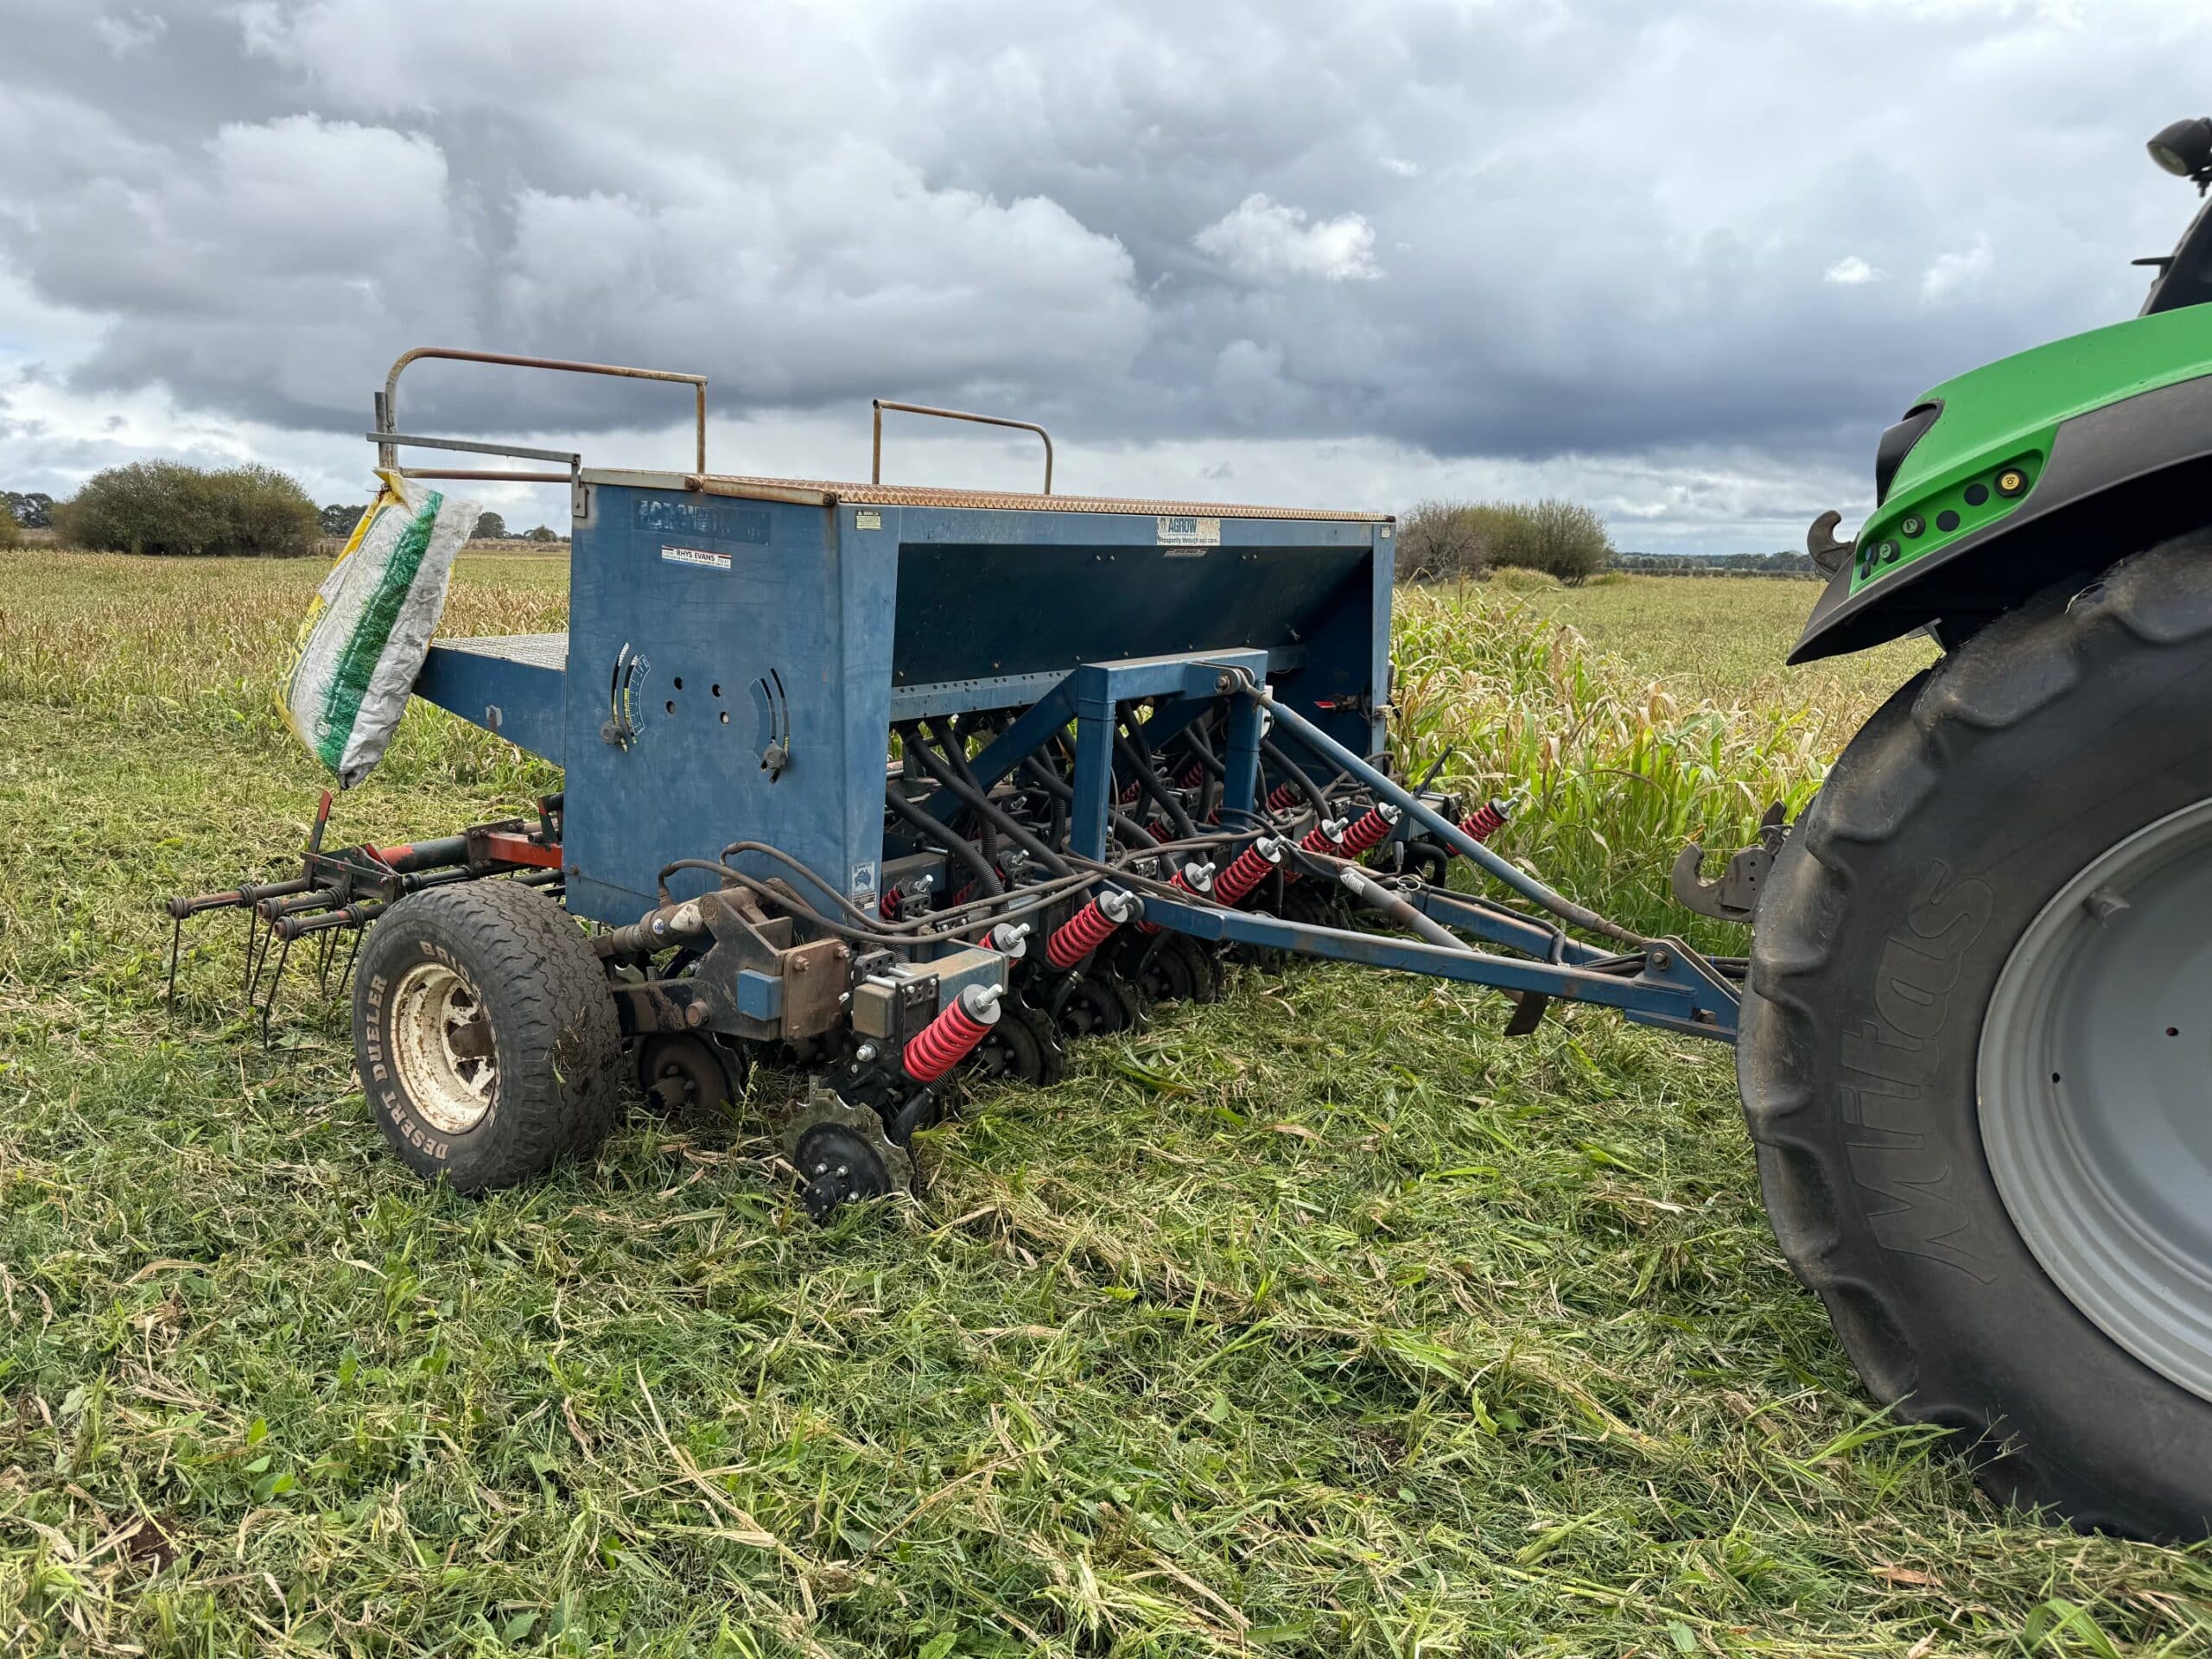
[(387, 405), (407, 441), (875, 471)]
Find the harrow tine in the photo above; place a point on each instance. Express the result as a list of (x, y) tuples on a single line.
[(276, 982), (256, 953), (353, 950), (176, 945)]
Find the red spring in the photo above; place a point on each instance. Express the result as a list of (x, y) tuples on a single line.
[(1182, 884), (1484, 821), (1370, 829), (952, 1036), (1319, 842), (1283, 797), (888, 907), (1085, 930), (1130, 791), (1157, 831), (1190, 776), (1316, 841), (1249, 868)]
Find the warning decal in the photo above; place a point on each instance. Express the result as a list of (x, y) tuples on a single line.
[(1177, 530)]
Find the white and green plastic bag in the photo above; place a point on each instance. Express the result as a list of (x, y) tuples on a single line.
[(369, 629)]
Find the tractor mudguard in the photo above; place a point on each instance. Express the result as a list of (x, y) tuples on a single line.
[(2053, 460)]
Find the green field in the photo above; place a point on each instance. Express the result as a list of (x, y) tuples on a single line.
[(1322, 1321)]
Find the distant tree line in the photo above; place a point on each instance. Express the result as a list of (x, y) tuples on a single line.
[(1798, 565), (165, 507), (490, 527), (1447, 540), (1453, 540)]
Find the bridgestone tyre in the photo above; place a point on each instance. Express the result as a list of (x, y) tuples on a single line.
[(486, 1034), (1981, 789)]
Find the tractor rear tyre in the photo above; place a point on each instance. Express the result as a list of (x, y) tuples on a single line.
[(1976, 1054), (486, 1034)]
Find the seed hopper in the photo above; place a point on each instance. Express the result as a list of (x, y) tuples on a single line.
[(896, 781)]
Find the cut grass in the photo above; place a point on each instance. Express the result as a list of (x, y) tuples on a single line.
[(1321, 1321)]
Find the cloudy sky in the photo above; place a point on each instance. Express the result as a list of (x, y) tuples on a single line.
[(1679, 261)]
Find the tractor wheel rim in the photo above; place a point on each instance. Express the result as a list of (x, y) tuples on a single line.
[(2095, 1086), (441, 1048)]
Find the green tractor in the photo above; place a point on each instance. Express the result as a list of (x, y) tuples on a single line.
[(1976, 1054)]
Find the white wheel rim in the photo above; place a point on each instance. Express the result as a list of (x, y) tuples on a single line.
[(441, 1048), (2096, 1115)]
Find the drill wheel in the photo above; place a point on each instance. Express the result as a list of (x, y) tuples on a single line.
[(1022, 1047), (1170, 968), (1268, 958), (1314, 905), (842, 1156), (681, 1072), (1099, 1003), (1211, 962)]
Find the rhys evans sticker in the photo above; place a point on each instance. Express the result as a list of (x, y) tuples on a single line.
[(696, 555)]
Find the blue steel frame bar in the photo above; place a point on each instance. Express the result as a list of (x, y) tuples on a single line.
[(1030, 730), (1092, 695), (1434, 822), (1240, 764), (1465, 914), (1098, 689), (1192, 681), (1672, 987)]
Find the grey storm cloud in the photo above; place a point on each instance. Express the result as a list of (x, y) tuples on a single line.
[(1582, 227)]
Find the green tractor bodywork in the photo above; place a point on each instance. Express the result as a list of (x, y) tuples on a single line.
[(2021, 472)]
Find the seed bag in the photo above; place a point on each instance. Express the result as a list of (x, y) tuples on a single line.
[(369, 629)]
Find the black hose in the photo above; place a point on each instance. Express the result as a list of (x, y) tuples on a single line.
[(1139, 760), (1031, 900), (968, 822), (1134, 835), (948, 775), (959, 846), (952, 748), (1214, 789), (1201, 752), (1061, 792), (793, 865), (1273, 751)]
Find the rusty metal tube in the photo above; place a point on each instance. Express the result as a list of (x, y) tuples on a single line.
[(676, 924), (486, 472), (237, 898), (288, 928), (388, 405), (1394, 906), (1439, 826), (875, 469), (298, 904)]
